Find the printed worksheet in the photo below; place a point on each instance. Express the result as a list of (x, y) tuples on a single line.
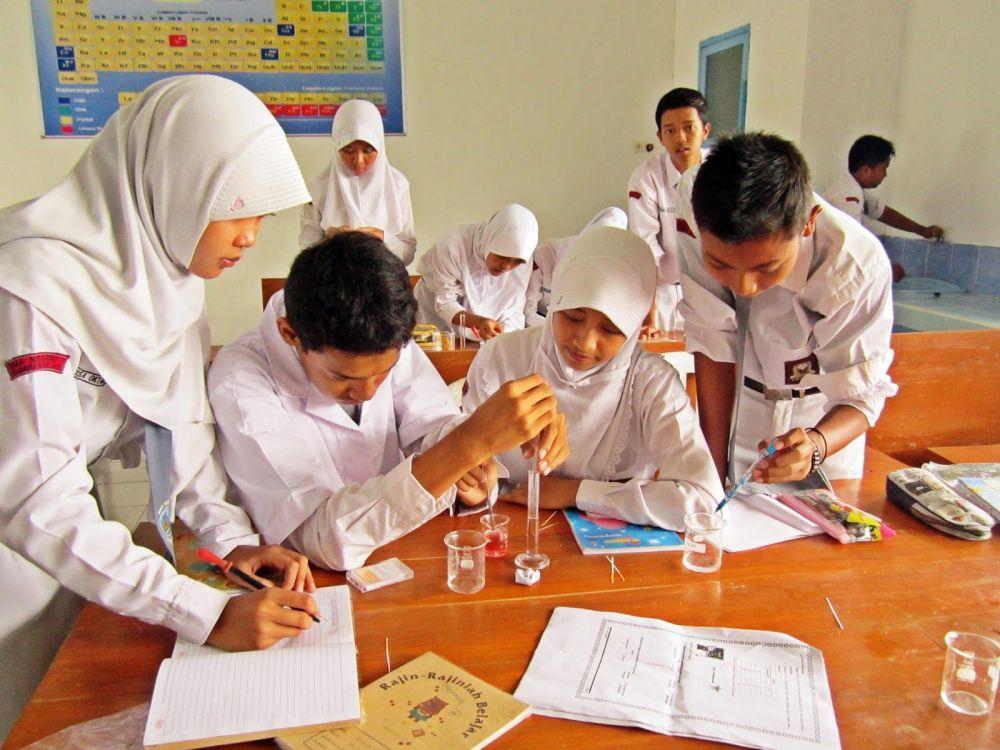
[(748, 687)]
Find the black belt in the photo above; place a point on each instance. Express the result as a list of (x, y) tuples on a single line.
[(779, 394)]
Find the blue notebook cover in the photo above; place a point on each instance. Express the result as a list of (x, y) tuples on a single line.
[(598, 535)]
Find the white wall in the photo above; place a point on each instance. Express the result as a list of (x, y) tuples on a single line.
[(775, 79), (535, 102)]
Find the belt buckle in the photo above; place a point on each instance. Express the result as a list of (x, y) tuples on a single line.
[(778, 394)]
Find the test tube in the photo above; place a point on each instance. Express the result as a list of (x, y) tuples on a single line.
[(461, 330), (532, 558)]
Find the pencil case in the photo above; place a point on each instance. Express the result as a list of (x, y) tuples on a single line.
[(843, 521), (927, 498)]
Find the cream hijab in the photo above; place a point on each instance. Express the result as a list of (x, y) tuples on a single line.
[(105, 253), (343, 198), (612, 271)]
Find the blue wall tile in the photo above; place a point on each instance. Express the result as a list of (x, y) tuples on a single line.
[(893, 248), (964, 264), (939, 260), (988, 275), (915, 257)]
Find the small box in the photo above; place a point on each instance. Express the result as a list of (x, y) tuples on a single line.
[(379, 575), (527, 576)]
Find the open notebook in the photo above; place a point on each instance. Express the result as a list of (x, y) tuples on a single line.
[(204, 696)]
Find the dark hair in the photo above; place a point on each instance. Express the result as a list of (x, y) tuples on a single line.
[(752, 185), (679, 98), (350, 293), (869, 151)]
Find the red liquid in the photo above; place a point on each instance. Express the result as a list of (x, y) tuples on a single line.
[(496, 543)]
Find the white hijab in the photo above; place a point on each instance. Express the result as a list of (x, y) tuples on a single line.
[(371, 200), (105, 253), (609, 270)]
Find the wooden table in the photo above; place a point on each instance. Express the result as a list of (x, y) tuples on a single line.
[(967, 454), (896, 598)]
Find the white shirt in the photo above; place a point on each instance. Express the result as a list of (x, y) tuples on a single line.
[(55, 425), (305, 471), (827, 325), (402, 243), (663, 436), (848, 195), (653, 215), (455, 278), (546, 256)]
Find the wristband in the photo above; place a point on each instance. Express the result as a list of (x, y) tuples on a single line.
[(817, 457)]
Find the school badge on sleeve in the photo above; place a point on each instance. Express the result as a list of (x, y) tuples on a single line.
[(36, 362)]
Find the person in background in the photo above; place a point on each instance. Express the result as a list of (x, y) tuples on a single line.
[(681, 127), (360, 189), (480, 271), (637, 451), (336, 430), (547, 256), (788, 311)]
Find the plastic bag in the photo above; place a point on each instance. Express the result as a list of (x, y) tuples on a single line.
[(119, 731), (844, 522)]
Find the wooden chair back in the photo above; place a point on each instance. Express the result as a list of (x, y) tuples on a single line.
[(948, 384)]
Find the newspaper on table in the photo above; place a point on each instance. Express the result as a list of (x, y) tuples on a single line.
[(746, 687)]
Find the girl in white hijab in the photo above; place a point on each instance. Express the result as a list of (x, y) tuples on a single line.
[(104, 336), (637, 452), (480, 270), (548, 254), (360, 190)]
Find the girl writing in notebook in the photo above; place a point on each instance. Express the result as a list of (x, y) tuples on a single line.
[(104, 337), (360, 190), (637, 452), (479, 273)]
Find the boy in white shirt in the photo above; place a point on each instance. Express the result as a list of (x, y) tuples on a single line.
[(788, 312), (681, 126), (867, 164), (336, 430)]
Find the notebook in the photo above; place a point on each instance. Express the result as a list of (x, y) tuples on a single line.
[(204, 696), (598, 535), (427, 704)]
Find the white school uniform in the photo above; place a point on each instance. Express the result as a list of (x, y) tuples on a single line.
[(547, 256), (455, 276), (103, 328), (827, 326), (379, 198), (305, 471), (653, 216), (634, 438), (847, 194)]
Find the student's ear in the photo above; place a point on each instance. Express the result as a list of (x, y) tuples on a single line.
[(708, 130), (286, 331), (811, 221)]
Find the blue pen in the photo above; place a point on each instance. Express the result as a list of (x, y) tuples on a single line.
[(745, 477)]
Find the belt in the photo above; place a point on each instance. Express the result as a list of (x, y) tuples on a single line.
[(779, 394)]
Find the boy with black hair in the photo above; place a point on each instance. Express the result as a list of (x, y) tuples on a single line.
[(681, 126), (788, 312), (867, 164), (336, 431)]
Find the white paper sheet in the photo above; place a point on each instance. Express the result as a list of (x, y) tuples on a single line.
[(756, 520), (202, 692), (746, 687)]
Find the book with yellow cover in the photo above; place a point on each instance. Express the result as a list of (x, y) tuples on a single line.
[(426, 704)]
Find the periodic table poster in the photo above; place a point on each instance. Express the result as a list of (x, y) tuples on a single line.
[(303, 58)]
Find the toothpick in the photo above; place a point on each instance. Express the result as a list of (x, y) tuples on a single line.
[(614, 568), (834, 612), (551, 516), (388, 665)]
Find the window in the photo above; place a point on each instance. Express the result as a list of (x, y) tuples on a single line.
[(722, 78)]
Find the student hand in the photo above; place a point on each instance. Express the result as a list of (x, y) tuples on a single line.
[(295, 567), (261, 619), (513, 415), (477, 484), (791, 461), (487, 328), (375, 231), (933, 232), (337, 230), (553, 445), (650, 331), (555, 493)]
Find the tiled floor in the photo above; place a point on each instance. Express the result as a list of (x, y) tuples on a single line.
[(124, 493)]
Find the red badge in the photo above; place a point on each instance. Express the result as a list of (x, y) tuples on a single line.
[(634, 194), (51, 361), (852, 199), (684, 228), (797, 369)]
